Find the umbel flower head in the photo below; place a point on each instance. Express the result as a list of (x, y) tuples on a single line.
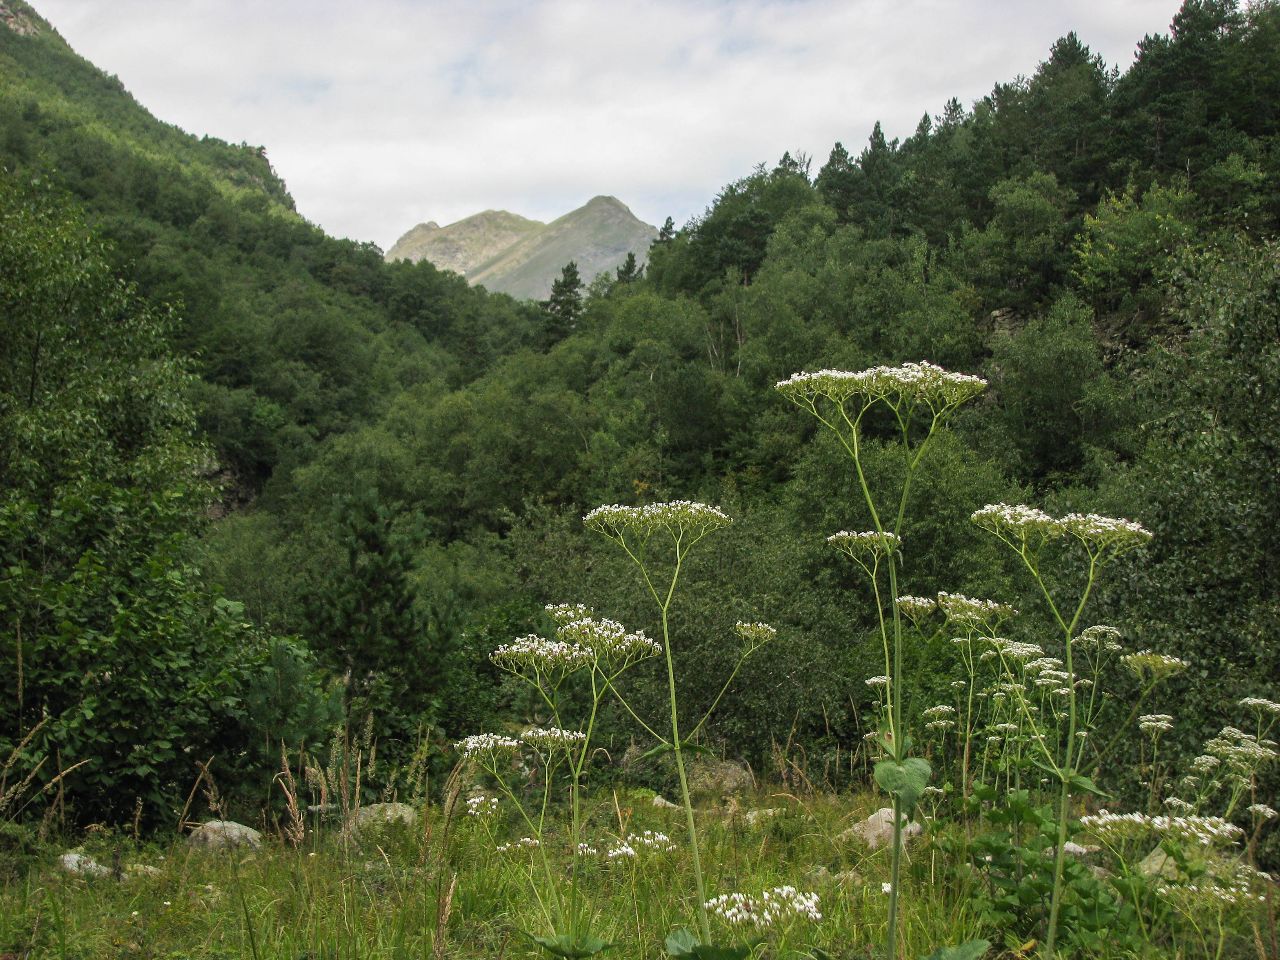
[(1030, 526), (551, 739), (607, 640), (676, 516), (916, 609), (754, 635), (969, 612), (483, 746), (866, 546), (904, 385), (1156, 666), (534, 656)]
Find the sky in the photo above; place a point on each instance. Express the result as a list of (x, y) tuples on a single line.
[(381, 114)]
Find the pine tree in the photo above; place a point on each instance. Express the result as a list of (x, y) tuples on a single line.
[(564, 305)]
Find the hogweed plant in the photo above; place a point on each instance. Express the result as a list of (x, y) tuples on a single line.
[(920, 397), (657, 538), (602, 650), (1027, 531)]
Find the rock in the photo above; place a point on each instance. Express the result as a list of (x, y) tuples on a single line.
[(82, 866), (379, 816), (715, 779), (224, 835), (848, 878), (664, 804), (754, 818), (141, 870), (877, 829)]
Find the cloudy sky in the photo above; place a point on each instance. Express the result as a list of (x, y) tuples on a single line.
[(381, 114)]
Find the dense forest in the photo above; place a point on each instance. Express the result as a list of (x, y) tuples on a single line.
[(257, 484)]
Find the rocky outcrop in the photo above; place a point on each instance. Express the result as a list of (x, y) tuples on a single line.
[(224, 835)]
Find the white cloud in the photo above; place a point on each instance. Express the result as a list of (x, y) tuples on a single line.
[(384, 113)]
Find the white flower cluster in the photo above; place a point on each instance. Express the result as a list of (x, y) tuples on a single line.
[(563, 613), (866, 544), (607, 640), (1027, 524), (551, 739), (614, 520), (941, 710), (970, 612), (755, 634), (1156, 666), (1155, 723), (916, 608), (775, 907), (1239, 750), (1262, 811), (1016, 649), (1227, 884), (939, 725), (1178, 805), (540, 655), (486, 745), (877, 681), (620, 851), (482, 805), (1261, 705), (910, 382), (1105, 638), (1017, 520), (524, 843), (1206, 831)]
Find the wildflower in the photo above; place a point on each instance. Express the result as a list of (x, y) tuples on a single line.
[(551, 739), (886, 888), (1262, 811), (941, 710), (1261, 705), (1110, 533), (537, 655), (877, 681), (916, 609), (866, 545), (940, 725), (1178, 805), (486, 745), (684, 516), (1156, 666), (774, 907), (1206, 831), (958, 684), (524, 843), (755, 635), (620, 851), (607, 640), (1017, 650), (909, 384), (1105, 638), (563, 613), (1018, 522), (958, 608), (1155, 723), (482, 805), (586, 849)]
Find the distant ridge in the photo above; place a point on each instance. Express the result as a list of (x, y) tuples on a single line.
[(511, 254)]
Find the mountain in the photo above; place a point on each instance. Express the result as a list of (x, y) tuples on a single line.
[(465, 245), (507, 253)]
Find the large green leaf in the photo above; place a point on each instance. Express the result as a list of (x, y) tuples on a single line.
[(905, 779), (681, 943), (573, 948)]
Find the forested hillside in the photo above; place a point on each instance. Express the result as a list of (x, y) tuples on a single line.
[(400, 463)]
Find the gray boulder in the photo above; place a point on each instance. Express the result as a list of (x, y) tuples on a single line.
[(377, 817), (877, 829), (82, 866), (716, 779), (224, 835)]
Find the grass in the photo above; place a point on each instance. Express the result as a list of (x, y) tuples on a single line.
[(394, 896)]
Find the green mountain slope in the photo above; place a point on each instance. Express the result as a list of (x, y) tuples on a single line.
[(464, 245)]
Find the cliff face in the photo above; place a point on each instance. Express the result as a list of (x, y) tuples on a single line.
[(510, 254)]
